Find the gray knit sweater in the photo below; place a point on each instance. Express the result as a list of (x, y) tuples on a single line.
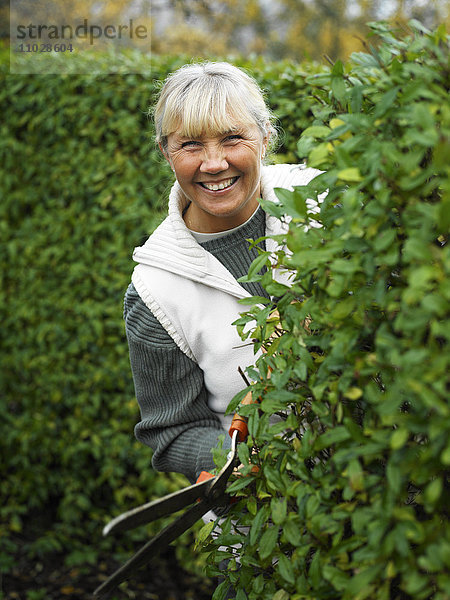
[(175, 419)]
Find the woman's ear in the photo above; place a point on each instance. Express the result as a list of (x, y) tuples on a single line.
[(166, 156), (265, 144)]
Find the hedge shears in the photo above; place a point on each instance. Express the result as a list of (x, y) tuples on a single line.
[(208, 492)]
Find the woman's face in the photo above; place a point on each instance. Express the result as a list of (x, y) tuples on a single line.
[(220, 175)]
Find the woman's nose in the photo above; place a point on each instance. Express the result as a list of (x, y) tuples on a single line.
[(214, 161)]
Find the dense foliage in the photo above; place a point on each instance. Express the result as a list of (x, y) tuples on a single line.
[(350, 498), (82, 184)]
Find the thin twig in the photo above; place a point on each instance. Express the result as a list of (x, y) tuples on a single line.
[(242, 374)]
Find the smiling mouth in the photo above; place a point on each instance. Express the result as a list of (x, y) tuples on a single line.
[(221, 185)]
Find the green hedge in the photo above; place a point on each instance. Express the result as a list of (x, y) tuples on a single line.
[(350, 499), (81, 185)]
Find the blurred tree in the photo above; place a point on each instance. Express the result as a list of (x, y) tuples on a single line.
[(275, 29), (315, 28), (334, 27), (279, 29), (4, 19), (226, 26)]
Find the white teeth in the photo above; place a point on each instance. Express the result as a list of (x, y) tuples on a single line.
[(213, 187)]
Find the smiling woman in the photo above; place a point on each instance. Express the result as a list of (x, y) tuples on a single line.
[(214, 128)]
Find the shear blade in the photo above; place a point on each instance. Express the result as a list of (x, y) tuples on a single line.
[(158, 508), (154, 547)]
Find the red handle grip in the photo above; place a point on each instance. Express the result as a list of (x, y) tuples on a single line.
[(204, 475), (239, 423)]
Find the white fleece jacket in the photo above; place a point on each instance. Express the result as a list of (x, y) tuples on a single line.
[(195, 298)]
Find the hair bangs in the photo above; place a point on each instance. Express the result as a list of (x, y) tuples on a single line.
[(210, 99), (208, 108)]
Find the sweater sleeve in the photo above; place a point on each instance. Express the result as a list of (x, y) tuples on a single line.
[(176, 421)]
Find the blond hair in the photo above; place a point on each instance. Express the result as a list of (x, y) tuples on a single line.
[(210, 98)]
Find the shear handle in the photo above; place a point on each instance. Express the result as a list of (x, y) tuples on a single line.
[(239, 423)]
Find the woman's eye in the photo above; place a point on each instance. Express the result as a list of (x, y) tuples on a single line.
[(233, 138), (190, 143)]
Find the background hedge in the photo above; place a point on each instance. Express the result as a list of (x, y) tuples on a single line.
[(81, 185)]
